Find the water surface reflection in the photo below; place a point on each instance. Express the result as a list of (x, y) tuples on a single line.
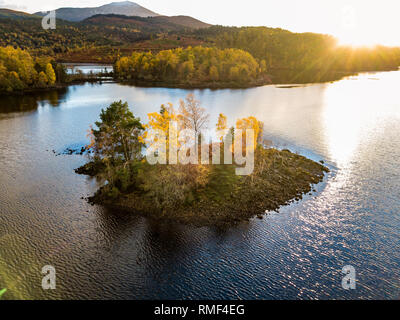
[(298, 253)]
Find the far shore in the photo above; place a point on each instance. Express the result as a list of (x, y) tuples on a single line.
[(337, 76)]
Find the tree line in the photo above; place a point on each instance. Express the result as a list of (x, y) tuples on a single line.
[(198, 64), (20, 71)]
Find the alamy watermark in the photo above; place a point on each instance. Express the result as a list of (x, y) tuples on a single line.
[(349, 280), (49, 20), (49, 279), (183, 147), (349, 18)]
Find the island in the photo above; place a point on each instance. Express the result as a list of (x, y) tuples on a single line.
[(197, 67), (195, 190)]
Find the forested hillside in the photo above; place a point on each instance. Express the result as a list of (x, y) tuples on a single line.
[(98, 38)]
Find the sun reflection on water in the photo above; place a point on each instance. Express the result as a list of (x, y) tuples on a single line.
[(354, 109)]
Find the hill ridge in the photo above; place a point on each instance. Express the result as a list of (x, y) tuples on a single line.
[(180, 21)]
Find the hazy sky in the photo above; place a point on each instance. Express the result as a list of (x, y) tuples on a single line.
[(352, 21)]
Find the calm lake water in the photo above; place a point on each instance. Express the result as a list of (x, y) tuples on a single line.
[(298, 253)]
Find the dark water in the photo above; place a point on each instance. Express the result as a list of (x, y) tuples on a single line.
[(353, 219)]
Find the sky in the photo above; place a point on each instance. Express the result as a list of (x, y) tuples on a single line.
[(354, 22)]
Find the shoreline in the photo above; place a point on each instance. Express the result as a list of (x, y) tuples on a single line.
[(52, 88), (287, 179), (185, 85), (188, 85), (158, 84)]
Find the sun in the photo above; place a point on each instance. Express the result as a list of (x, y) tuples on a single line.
[(367, 39), (367, 25)]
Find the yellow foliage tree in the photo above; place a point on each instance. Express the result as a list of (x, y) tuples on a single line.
[(214, 74), (234, 73), (222, 124), (250, 123), (42, 80), (159, 121), (51, 76)]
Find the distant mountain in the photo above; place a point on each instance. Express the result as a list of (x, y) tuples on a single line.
[(159, 23), (149, 24), (126, 8)]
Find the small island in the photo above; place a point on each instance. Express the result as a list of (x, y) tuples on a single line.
[(200, 192), (197, 67)]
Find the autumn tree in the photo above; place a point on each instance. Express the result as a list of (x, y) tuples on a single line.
[(192, 115), (171, 185), (42, 79), (222, 125), (214, 74), (19, 70), (251, 123), (51, 76), (160, 122)]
